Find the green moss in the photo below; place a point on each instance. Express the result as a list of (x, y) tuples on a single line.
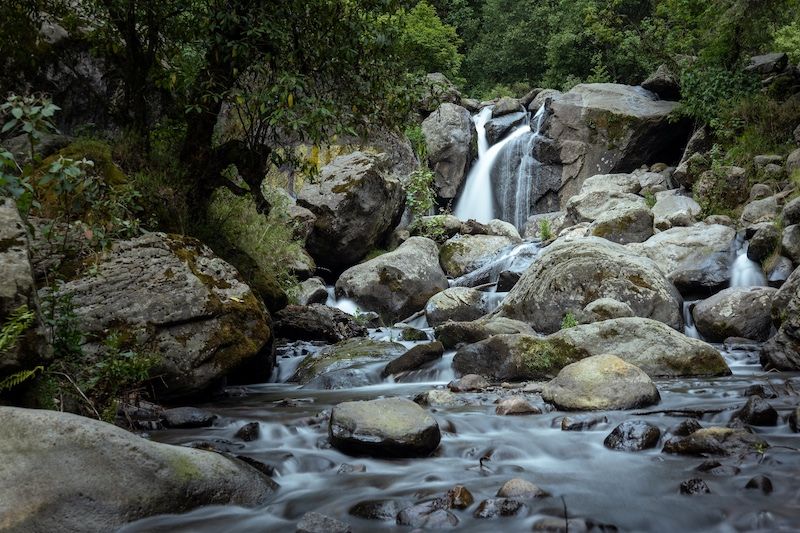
[(448, 252), (543, 358), (94, 150), (184, 468)]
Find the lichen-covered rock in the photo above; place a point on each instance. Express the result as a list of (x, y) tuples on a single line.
[(170, 296), (357, 204), (16, 288), (389, 427), (464, 253), (765, 241), (624, 225), (453, 334), (601, 382), (449, 134), (696, 259), (396, 284), (316, 322), (620, 183), (571, 274), (657, 349), (591, 204), (459, 304), (790, 243), (94, 477), (736, 312), (765, 210), (606, 309), (782, 352), (725, 187), (716, 441)]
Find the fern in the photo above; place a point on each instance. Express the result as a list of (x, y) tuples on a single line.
[(15, 379), (20, 320)]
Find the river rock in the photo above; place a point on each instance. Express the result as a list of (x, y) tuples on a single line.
[(427, 515), (414, 358), (694, 486), (94, 477), (716, 441), (671, 210), (633, 436), (16, 289), (778, 273), (453, 334), (496, 507), (793, 162), (782, 352), (459, 304), (768, 63), (760, 482), (316, 323), (390, 427), (794, 420), (187, 418), (756, 412), (790, 243), (606, 128), (468, 383), (591, 204), (765, 241), (725, 187), (506, 105), (601, 382), (606, 309), (398, 283), (654, 182), (516, 406), (791, 211), (624, 225), (449, 132), (346, 355), (696, 259), (312, 291), (571, 274), (319, 523), (520, 489), (766, 210), (385, 510), (497, 128), (464, 253), (735, 312), (657, 349), (178, 301), (581, 422), (619, 183), (357, 204)]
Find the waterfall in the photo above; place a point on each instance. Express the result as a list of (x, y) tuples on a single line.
[(510, 162), (689, 328), (745, 272)]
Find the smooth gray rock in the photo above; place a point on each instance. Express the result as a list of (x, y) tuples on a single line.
[(766, 210), (736, 312), (664, 83), (782, 352), (506, 105), (390, 427), (316, 322), (624, 225), (791, 212), (673, 210), (695, 259), (179, 301), (790, 243), (453, 334), (459, 304), (396, 284), (601, 382), (633, 436), (620, 183), (94, 477), (570, 274), (312, 291), (345, 355), (765, 241), (497, 128), (449, 134), (414, 358), (768, 63), (356, 204), (464, 253)]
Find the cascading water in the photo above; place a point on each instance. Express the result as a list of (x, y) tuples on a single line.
[(744, 271)]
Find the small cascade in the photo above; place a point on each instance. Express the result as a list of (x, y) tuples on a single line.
[(515, 259), (689, 328), (343, 304), (744, 271), (477, 199)]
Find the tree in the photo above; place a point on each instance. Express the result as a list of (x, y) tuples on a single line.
[(426, 44)]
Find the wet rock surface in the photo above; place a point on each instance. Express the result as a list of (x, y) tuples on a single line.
[(632, 436)]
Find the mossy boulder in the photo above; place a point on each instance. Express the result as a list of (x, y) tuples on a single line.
[(170, 296), (657, 349), (91, 476), (350, 354)]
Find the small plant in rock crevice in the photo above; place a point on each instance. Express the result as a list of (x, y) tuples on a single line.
[(569, 321), (545, 230)]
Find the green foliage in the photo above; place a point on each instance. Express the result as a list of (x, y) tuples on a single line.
[(417, 139), (650, 199), (420, 195), (16, 324), (766, 127), (426, 44), (18, 378), (545, 230), (236, 227), (709, 93), (787, 39), (30, 115), (569, 321)]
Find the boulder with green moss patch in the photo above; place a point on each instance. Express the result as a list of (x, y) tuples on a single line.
[(168, 295), (569, 274), (91, 476), (351, 354)]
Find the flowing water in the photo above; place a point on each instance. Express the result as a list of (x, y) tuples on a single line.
[(744, 271), (636, 491)]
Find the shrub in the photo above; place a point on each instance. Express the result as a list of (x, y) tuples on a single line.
[(569, 321), (545, 230)]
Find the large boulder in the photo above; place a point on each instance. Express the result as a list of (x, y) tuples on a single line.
[(398, 283), (345, 361), (449, 133), (63, 472), (316, 322), (603, 127), (388, 427), (790, 243), (782, 352), (590, 204), (357, 204), (624, 225), (464, 253), (657, 349), (460, 304), (453, 334), (735, 312), (499, 127), (171, 296), (664, 83), (573, 273), (16, 288), (601, 382), (696, 259)]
